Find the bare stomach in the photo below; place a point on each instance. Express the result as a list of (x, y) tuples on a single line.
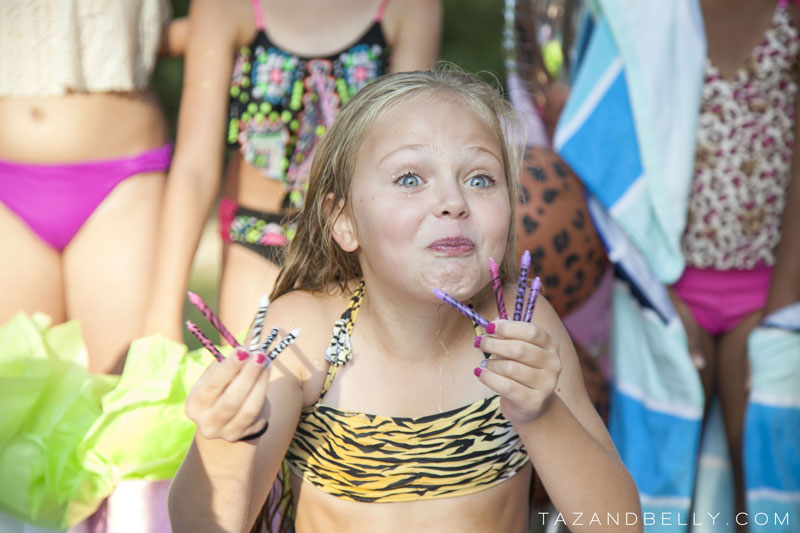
[(80, 127), (504, 507), (250, 188)]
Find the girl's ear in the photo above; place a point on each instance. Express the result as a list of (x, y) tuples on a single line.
[(343, 227)]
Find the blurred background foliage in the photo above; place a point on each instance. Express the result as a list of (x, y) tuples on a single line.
[(471, 39)]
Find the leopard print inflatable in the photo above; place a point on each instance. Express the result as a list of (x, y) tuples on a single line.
[(554, 224)]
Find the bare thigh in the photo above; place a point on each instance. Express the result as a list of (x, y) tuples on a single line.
[(702, 346), (246, 276), (731, 383), (708, 370), (108, 269), (732, 353), (30, 273)]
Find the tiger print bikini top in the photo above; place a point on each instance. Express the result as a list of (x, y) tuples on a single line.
[(372, 458)]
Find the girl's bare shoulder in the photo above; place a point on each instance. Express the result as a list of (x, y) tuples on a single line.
[(314, 314), (233, 20), (309, 306)]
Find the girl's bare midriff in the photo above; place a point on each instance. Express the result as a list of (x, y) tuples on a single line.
[(503, 507), (250, 188), (79, 127)]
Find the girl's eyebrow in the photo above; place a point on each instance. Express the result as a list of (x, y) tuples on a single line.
[(419, 147), (486, 151), (402, 148)]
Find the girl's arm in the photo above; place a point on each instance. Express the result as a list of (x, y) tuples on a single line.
[(785, 285), (537, 373), (414, 30), (194, 176), (174, 37), (223, 482)]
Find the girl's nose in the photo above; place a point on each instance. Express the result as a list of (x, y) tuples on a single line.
[(452, 202)]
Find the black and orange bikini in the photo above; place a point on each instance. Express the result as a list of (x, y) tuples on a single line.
[(281, 104), (372, 458)]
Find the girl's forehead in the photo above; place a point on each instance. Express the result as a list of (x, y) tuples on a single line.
[(427, 113)]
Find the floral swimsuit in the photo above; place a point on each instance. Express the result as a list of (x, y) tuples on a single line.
[(744, 155)]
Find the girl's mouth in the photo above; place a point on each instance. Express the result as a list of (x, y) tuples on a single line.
[(452, 246)]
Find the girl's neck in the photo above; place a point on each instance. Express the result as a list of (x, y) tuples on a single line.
[(410, 329)]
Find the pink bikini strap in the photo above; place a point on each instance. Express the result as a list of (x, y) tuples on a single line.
[(782, 3), (381, 9), (258, 14)]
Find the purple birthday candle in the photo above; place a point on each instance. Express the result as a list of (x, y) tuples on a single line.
[(211, 317), (461, 308), (497, 286), (205, 341), (536, 286), (522, 283)]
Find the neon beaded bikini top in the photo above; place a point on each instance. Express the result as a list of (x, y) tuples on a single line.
[(281, 103), (370, 458)]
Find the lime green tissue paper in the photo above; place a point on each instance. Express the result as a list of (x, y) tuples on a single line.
[(67, 437)]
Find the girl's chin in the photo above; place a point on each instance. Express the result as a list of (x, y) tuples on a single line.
[(459, 283)]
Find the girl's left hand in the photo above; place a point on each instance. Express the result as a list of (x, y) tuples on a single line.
[(525, 368)]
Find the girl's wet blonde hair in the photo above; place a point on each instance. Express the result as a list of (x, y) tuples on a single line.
[(313, 260)]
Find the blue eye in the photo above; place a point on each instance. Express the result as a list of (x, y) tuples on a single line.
[(480, 181), (409, 180)]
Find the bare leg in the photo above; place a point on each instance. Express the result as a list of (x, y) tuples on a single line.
[(702, 349), (733, 395), (30, 273), (108, 269), (702, 346), (246, 276), (709, 371)]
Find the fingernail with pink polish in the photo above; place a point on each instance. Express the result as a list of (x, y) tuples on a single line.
[(241, 355), (477, 342), (260, 358), (478, 371), (491, 327)]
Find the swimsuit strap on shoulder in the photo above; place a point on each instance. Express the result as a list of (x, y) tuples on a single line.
[(258, 14), (339, 351), (381, 9)]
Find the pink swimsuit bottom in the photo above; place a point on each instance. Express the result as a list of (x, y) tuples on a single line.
[(720, 299), (55, 200)]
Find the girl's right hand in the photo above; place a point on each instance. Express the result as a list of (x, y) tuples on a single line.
[(691, 328), (229, 401)]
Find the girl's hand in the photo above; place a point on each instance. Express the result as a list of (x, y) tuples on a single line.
[(525, 370), (692, 329), (229, 401)]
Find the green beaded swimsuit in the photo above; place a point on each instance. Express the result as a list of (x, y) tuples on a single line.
[(281, 103)]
